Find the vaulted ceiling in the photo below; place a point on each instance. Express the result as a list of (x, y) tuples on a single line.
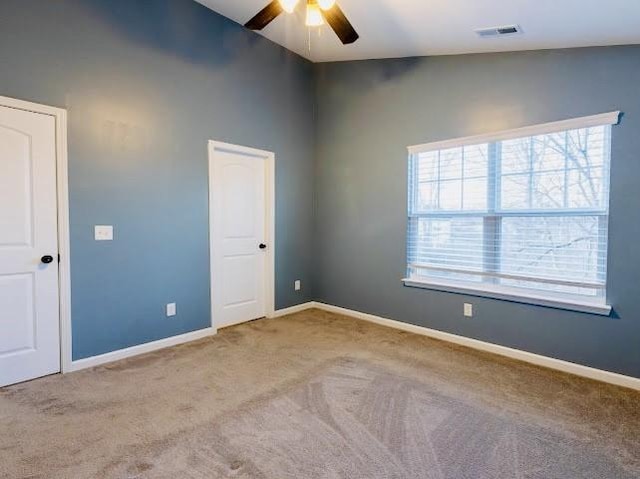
[(399, 28)]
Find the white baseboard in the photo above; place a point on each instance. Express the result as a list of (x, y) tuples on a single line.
[(140, 349), (293, 309), (166, 343), (537, 359)]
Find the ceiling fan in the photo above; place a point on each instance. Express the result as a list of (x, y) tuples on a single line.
[(318, 11)]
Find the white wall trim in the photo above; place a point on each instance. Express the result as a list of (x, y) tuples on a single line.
[(166, 342), (546, 128), (505, 293), (293, 309), (531, 358), (62, 185), (270, 217), (537, 359), (140, 349)]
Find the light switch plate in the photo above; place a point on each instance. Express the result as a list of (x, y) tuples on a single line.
[(103, 233), (171, 309)]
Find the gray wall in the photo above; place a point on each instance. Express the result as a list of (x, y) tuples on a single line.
[(146, 85), (369, 112)]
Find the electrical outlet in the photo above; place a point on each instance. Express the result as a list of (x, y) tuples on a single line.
[(297, 285), (171, 309), (468, 310)]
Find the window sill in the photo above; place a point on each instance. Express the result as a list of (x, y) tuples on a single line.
[(508, 294)]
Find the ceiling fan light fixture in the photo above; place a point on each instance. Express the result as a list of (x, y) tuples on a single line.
[(326, 4), (289, 5), (318, 12), (314, 15)]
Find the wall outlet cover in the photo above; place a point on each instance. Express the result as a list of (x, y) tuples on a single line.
[(468, 310), (298, 285), (103, 233), (171, 309)]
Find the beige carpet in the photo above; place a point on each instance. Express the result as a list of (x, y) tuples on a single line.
[(315, 395)]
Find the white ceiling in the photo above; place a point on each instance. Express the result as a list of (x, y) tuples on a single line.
[(400, 28)]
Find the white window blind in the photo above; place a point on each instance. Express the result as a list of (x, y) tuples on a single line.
[(520, 211)]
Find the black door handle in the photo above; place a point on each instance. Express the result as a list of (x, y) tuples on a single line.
[(263, 246), (47, 259)]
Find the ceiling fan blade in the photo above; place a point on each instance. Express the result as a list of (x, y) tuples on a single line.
[(265, 16), (336, 18)]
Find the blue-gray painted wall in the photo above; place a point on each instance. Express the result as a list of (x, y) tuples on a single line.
[(146, 84), (369, 112)]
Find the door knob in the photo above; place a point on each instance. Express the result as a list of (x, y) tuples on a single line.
[(263, 246), (47, 259)]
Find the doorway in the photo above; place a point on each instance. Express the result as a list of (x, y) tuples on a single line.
[(34, 290), (241, 210)]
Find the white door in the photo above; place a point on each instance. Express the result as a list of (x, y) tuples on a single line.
[(29, 316), (239, 245)]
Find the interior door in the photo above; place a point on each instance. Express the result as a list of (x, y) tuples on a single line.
[(29, 315), (238, 249)]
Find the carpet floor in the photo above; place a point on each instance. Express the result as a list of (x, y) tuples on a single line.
[(318, 395)]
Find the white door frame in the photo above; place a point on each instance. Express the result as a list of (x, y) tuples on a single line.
[(269, 158), (62, 184)]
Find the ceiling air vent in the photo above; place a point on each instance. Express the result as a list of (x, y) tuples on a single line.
[(499, 31)]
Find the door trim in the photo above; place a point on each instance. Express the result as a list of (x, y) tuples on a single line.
[(62, 187), (269, 158)]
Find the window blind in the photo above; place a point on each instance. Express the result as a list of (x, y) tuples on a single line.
[(527, 213)]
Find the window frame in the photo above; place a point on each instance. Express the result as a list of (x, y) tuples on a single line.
[(493, 217)]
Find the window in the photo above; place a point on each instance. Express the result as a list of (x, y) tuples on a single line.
[(520, 215)]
